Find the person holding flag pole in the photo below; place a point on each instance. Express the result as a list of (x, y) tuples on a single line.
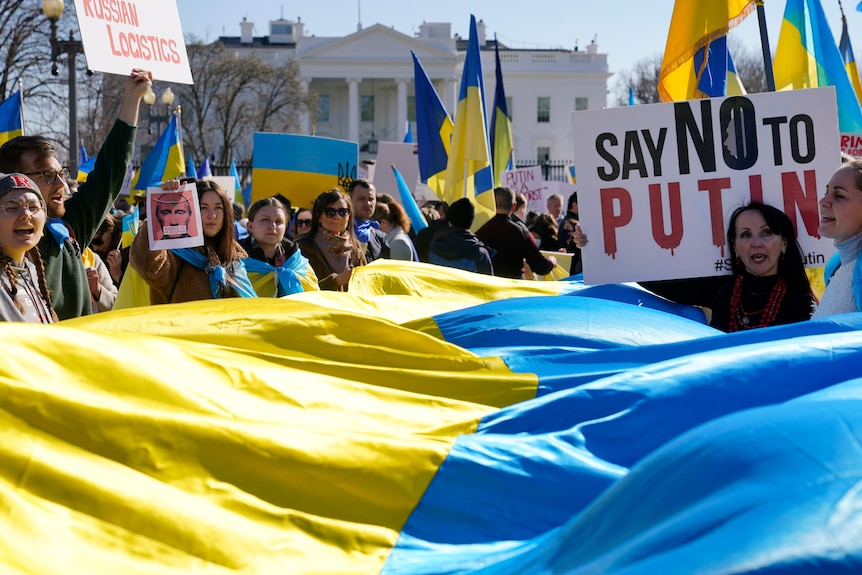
[(73, 222)]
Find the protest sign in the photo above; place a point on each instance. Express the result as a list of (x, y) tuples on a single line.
[(119, 35), (174, 218), (657, 183), (301, 167), (402, 156), (527, 181)]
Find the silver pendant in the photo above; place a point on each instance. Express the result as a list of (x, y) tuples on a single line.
[(745, 320)]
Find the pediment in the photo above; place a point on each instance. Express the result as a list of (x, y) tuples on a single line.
[(377, 43)]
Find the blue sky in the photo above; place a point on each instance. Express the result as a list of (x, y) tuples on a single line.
[(626, 30)]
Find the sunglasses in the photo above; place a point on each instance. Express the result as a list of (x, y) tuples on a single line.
[(342, 212), (308, 222)]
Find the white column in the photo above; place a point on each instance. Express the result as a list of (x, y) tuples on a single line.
[(450, 98), (401, 115), (353, 109), (304, 116)]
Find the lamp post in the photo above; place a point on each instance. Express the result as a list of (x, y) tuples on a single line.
[(53, 10), (167, 99)]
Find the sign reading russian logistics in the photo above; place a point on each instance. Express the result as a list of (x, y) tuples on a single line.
[(119, 35), (657, 183)]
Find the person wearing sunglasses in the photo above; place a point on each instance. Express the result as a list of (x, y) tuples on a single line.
[(24, 296), (73, 221), (330, 245), (302, 222)]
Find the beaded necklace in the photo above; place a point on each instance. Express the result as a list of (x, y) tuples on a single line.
[(739, 318)]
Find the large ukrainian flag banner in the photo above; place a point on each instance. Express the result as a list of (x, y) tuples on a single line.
[(430, 421), (300, 167), (695, 55), (11, 125)]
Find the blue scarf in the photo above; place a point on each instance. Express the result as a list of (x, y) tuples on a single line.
[(286, 275), (219, 276), (363, 230), (59, 230)]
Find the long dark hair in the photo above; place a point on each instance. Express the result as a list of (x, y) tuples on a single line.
[(325, 200), (222, 248), (790, 266)]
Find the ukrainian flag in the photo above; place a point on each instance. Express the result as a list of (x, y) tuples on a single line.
[(849, 59), (433, 131), (430, 421), (695, 55), (804, 60), (85, 166), (11, 122), (165, 160), (301, 167), (237, 188), (501, 124), (469, 173)]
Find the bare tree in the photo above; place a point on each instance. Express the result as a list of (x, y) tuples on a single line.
[(232, 97)]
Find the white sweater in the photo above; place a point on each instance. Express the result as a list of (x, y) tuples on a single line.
[(838, 296)]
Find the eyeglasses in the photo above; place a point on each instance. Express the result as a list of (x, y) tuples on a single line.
[(50, 176), (308, 222), (12, 208), (342, 212)]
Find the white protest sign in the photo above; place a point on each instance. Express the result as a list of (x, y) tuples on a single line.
[(657, 183), (527, 181), (119, 35), (402, 156)]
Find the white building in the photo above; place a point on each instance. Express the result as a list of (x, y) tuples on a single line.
[(365, 82)]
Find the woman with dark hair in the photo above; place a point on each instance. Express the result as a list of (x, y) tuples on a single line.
[(768, 285), (211, 271), (108, 245), (395, 224), (330, 245), (544, 229)]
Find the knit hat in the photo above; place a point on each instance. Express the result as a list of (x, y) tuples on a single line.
[(9, 182), (461, 213)]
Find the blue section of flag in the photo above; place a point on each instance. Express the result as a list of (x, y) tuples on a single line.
[(432, 126), (417, 220), (710, 68), (408, 137), (190, 168), (205, 170), (502, 146), (10, 117)]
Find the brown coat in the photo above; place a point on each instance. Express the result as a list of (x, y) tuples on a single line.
[(325, 274), (163, 271)]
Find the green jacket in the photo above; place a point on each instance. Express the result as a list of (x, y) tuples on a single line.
[(64, 272)]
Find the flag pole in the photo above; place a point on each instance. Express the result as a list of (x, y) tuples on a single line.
[(21, 110), (764, 45)]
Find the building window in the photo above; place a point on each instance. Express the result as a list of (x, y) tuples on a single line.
[(543, 154), (281, 29), (411, 108), (509, 107), (544, 109), (366, 106), (581, 103), (323, 108)]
